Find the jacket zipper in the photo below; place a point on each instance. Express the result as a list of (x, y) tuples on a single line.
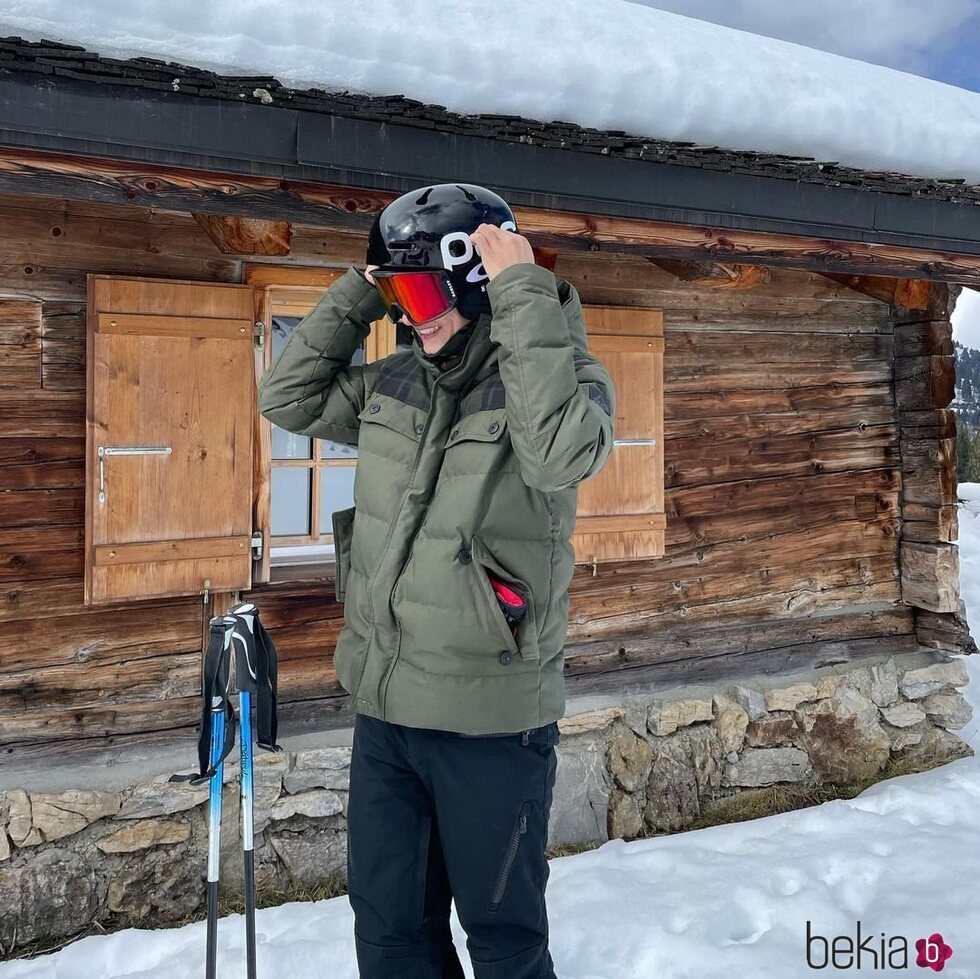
[(515, 842), (394, 587)]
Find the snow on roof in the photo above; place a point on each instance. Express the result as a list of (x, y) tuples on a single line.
[(608, 64)]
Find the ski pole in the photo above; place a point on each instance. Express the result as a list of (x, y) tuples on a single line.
[(246, 679), (214, 809)]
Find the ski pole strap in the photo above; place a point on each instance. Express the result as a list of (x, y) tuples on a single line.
[(256, 651), (215, 682)]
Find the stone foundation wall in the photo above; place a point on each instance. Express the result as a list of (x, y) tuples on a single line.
[(642, 766)]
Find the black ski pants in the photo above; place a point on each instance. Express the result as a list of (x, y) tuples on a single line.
[(435, 816)]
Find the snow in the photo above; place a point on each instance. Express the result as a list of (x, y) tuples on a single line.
[(901, 858), (966, 318), (607, 64)]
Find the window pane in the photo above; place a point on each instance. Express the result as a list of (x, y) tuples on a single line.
[(336, 493), (286, 445), (290, 501), (337, 450), (283, 326)]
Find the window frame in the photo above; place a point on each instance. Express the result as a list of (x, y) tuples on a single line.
[(292, 291)]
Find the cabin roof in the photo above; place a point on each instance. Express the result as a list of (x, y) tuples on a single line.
[(52, 98)]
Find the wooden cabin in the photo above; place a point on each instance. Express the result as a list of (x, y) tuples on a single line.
[(776, 526)]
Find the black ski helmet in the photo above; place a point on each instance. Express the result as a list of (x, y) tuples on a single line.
[(429, 228)]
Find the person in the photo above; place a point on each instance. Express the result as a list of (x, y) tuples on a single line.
[(453, 565)]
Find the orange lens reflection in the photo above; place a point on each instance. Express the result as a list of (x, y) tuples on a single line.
[(423, 295)]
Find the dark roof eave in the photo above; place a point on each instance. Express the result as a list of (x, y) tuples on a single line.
[(87, 118)]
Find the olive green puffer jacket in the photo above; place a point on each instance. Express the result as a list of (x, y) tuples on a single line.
[(460, 472)]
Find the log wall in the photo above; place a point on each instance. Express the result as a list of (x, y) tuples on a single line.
[(782, 468)]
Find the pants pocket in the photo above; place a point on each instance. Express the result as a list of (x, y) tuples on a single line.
[(517, 835)]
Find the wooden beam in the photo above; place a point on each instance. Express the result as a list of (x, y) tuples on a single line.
[(352, 209), (245, 236), (907, 293), (714, 275)]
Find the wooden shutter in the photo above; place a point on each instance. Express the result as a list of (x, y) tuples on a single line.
[(169, 368), (620, 514)]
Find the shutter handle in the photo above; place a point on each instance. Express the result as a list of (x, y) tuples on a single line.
[(126, 450)]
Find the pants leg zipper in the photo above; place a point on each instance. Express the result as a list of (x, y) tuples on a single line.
[(515, 841)]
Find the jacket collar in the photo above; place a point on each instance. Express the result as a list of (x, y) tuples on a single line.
[(479, 358)]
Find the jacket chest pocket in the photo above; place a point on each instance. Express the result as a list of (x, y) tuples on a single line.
[(386, 416), (477, 443), (526, 642)]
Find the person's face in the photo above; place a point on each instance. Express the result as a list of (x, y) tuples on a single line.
[(436, 333)]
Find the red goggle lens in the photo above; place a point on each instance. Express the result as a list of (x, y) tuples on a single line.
[(422, 295)]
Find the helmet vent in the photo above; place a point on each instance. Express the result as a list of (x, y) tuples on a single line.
[(469, 195), (424, 199)]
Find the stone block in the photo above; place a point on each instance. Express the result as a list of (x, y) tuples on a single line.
[(879, 683), (672, 800), (335, 758), (312, 858), (949, 709), (773, 730), (790, 697), (20, 826), (160, 797), (628, 758), (304, 779), (844, 738), (752, 701), (767, 766), (625, 816), (936, 747), (731, 720), (143, 834), (900, 738), (55, 894), (581, 795), (589, 721), (925, 680), (705, 752), (666, 718), (316, 804), (905, 714), (66, 813)]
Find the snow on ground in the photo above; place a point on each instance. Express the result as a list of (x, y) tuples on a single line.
[(902, 858), (608, 64)]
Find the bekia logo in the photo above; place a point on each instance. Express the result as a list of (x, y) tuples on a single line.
[(457, 249), (845, 952)]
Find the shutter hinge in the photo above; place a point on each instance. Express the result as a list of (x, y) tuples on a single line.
[(258, 334), (257, 546)]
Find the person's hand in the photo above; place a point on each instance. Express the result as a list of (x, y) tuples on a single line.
[(367, 273), (500, 249)]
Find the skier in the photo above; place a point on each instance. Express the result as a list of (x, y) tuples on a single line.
[(470, 449)]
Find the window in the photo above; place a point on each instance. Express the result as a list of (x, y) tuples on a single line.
[(308, 478), (620, 514), (190, 490)]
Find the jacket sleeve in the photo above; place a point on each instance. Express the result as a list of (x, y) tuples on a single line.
[(312, 389), (561, 403)]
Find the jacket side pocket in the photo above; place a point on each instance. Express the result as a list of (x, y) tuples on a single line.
[(343, 532)]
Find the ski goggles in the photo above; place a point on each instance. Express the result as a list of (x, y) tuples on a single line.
[(421, 295)]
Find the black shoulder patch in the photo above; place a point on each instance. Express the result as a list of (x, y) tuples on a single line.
[(403, 378), (597, 395)]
